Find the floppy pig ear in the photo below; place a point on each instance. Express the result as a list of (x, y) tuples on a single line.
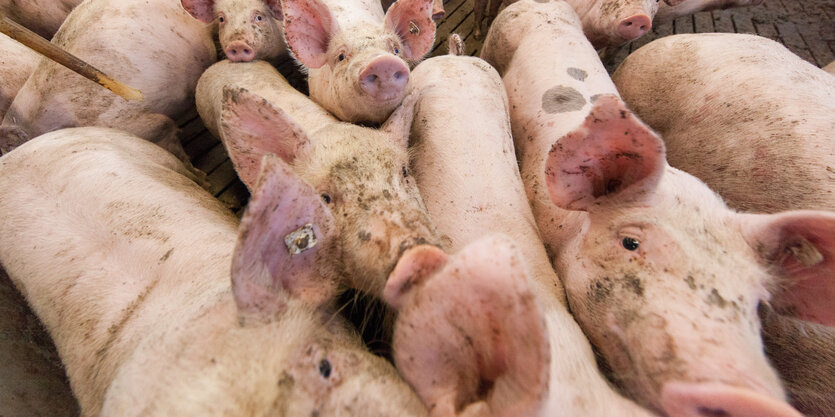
[(308, 28), (202, 10), (412, 21), (275, 8), (413, 267), (799, 246), (284, 238), (398, 126), (251, 127), (611, 152), (483, 343)]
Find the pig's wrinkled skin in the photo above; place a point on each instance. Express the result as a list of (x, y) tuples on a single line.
[(472, 189), (154, 46), (16, 65), (804, 355), (43, 17), (361, 173), (133, 284), (355, 54), (660, 274), (756, 124), (669, 10), (247, 29), (32, 380)]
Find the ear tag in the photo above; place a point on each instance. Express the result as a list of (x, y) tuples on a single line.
[(300, 239), (806, 253), (413, 28)]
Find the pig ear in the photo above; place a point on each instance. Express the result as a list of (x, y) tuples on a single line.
[(308, 28), (284, 242), (412, 21), (413, 267), (275, 8), (202, 10), (251, 127), (612, 152), (799, 247), (11, 137), (398, 127), (483, 340)]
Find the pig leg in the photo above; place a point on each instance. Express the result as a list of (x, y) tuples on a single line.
[(479, 8), (494, 11)]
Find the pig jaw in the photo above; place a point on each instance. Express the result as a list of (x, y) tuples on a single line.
[(679, 308), (241, 29), (374, 199), (338, 85)]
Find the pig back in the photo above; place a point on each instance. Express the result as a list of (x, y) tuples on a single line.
[(260, 78), (18, 62), (741, 113), (89, 249)]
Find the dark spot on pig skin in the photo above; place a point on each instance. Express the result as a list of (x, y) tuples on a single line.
[(691, 282), (594, 98), (715, 299), (634, 284), (542, 1), (709, 412), (364, 236), (601, 289), (561, 99), (577, 74)]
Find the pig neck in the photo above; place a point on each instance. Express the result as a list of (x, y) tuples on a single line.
[(356, 12)]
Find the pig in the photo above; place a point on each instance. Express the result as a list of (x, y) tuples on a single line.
[(438, 11), (473, 191), (16, 65), (804, 355), (133, 283), (355, 55), (668, 10), (32, 380), (607, 23), (645, 250), (43, 17), (247, 30), (830, 68), (154, 46), (361, 173), (757, 122)]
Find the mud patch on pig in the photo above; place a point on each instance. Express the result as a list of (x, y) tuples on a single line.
[(577, 74), (561, 99)]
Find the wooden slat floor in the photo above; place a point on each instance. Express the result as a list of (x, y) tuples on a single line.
[(806, 27)]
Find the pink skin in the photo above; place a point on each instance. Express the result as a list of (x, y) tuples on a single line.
[(248, 29), (361, 175), (631, 237), (438, 11), (43, 17), (345, 45), (607, 22), (671, 9), (484, 319), (635, 26), (18, 64)]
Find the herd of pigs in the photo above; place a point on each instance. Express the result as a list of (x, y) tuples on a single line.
[(540, 238)]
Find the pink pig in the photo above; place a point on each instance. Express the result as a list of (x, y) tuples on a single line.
[(671, 9), (357, 57), (43, 17), (248, 30), (18, 64), (661, 275)]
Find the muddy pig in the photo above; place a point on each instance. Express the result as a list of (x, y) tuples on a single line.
[(16, 65), (472, 190), (357, 57), (804, 355), (133, 283), (605, 22), (438, 11), (671, 9), (361, 173), (32, 380), (645, 250), (43, 17), (248, 30), (756, 124), (154, 46)]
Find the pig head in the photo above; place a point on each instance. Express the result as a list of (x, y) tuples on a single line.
[(247, 29), (615, 22), (666, 280), (358, 72), (361, 175), (470, 337)]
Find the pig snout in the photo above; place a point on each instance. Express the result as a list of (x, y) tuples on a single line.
[(634, 27), (681, 399), (384, 78), (239, 51)]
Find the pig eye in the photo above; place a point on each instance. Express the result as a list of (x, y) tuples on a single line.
[(341, 57), (258, 17), (630, 243), (405, 173), (221, 19), (327, 198), (396, 51), (325, 368)]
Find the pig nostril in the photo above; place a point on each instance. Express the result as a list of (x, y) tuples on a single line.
[(710, 412), (397, 75), (371, 78), (628, 23), (643, 27)]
